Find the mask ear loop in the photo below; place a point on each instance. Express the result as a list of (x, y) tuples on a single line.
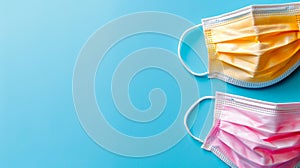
[(179, 49), (188, 112)]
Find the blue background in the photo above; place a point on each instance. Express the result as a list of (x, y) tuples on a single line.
[(39, 45)]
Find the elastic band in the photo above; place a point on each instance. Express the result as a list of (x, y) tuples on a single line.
[(188, 113), (179, 49)]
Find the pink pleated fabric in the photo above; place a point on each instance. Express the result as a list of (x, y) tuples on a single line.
[(249, 133)]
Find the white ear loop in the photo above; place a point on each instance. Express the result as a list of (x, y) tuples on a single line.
[(179, 49), (188, 112)]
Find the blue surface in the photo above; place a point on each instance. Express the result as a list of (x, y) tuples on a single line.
[(39, 46)]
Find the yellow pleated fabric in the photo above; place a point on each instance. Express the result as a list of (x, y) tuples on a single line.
[(258, 45)]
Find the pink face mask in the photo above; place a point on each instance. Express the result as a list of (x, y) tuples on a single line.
[(249, 133)]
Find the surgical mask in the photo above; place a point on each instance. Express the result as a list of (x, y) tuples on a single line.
[(253, 47), (250, 133)]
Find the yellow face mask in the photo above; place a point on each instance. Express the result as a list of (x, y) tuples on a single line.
[(253, 47)]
